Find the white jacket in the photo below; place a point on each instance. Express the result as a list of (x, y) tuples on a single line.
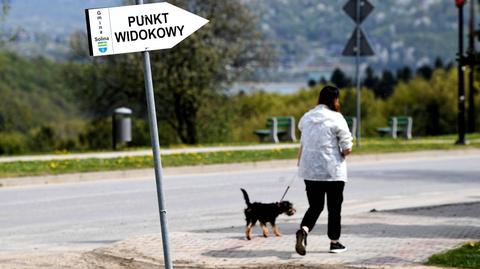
[(325, 134)]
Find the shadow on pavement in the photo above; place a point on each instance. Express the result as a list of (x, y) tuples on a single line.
[(378, 229), (412, 174), (372, 230), (463, 210), (382, 260), (229, 253)]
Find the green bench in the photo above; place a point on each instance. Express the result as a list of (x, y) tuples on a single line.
[(283, 127), (396, 125), (352, 125)]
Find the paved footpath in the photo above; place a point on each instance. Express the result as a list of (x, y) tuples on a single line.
[(402, 238)]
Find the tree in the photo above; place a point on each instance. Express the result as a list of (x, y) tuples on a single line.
[(371, 80), (323, 81), (438, 63), (10, 35), (79, 51), (339, 78), (404, 74), (431, 103), (185, 77), (386, 85), (425, 71)]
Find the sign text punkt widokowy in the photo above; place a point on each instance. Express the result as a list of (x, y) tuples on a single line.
[(154, 20), (139, 28)]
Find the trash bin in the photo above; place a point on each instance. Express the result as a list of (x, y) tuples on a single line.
[(121, 126)]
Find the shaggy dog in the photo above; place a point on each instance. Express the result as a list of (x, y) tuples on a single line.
[(265, 213)]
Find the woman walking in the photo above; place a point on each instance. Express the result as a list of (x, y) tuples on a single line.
[(326, 141)]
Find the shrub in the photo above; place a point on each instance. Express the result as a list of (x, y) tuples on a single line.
[(12, 143)]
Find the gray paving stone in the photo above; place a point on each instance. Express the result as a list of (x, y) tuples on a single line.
[(374, 240)]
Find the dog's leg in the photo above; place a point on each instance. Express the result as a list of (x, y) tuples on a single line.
[(264, 229), (275, 230), (248, 231)]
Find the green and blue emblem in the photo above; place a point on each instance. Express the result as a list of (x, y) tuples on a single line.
[(102, 46)]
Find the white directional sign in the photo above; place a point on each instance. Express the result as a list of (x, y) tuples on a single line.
[(138, 28)]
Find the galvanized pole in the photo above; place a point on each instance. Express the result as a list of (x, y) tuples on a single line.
[(461, 81), (357, 76), (152, 117)]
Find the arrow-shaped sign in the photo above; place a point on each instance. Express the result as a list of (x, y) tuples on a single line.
[(351, 48), (138, 28), (351, 9)]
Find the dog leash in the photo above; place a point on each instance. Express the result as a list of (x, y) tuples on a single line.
[(288, 187)]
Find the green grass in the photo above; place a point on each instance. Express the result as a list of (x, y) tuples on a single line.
[(31, 168), (369, 146), (467, 256)]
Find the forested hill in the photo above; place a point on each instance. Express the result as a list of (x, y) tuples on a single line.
[(307, 33), (401, 31)]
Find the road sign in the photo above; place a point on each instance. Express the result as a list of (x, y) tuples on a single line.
[(351, 48), (358, 46), (143, 28), (139, 28), (351, 9)]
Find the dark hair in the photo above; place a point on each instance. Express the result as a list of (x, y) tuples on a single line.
[(327, 97)]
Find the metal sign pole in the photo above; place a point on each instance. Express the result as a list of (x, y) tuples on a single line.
[(357, 76), (110, 32), (357, 47), (461, 82), (152, 117)]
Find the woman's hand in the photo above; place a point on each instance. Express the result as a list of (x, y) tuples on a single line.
[(346, 152)]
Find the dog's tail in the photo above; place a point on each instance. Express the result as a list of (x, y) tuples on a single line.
[(245, 196)]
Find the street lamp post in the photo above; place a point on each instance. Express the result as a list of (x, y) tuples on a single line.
[(461, 82)]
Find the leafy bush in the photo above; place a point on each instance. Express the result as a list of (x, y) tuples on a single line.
[(12, 143), (97, 134), (44, 139), (252, 110), (432, 104)]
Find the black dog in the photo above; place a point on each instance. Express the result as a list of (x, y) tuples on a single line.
[(265, 213)]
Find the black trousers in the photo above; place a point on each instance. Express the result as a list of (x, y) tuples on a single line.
[(316, 191)]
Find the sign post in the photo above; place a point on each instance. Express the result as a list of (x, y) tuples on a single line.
[(142, 28), (461, 79), (358, 46)]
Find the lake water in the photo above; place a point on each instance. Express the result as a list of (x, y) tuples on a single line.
[(271, 87)]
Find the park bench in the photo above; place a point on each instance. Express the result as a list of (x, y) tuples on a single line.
[(352, 125), (397, 125), (278, 127)]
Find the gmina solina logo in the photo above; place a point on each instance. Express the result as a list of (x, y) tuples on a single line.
[(102, 44)]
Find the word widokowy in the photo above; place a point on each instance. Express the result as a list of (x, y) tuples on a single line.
[(156, 32)]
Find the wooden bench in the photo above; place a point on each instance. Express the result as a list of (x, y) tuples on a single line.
[(352, 125), (401, 124), (278, 126)]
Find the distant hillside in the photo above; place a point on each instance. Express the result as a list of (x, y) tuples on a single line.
[(309, 34), (33, 93), (45, 26), (314, 32)]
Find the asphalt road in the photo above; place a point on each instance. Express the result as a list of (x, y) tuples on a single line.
[(86, 215)]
